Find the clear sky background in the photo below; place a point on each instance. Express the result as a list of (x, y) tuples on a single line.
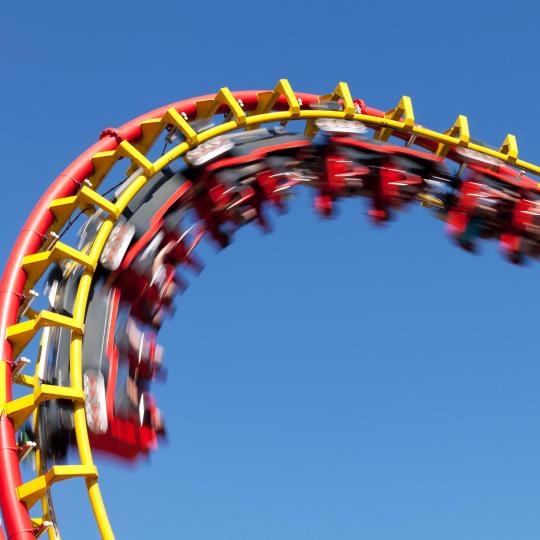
[(330, 380)]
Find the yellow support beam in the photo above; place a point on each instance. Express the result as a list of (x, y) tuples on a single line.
[(86, 198), (126, 149), (20, 334), (36, 265), (208, 108), (459, 131), (21, 408), (151, 130), (103, 162), (225, 96), (63, 209), (30, 492), (47, 392), (267, 100), (174, 118), (342, 92), (509, 148), (25, 380), (403, 110)]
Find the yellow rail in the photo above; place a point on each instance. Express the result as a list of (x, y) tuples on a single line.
[(401, 119)]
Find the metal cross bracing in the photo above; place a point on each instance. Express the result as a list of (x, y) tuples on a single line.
[(76, 189)]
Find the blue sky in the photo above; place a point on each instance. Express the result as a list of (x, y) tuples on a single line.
[(329, 380)]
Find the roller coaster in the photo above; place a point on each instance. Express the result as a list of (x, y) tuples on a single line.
[(96, 268)]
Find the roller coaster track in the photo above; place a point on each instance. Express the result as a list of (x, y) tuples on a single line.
[(75, 189)]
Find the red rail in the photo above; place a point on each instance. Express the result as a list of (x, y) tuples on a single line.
[(15, 514)]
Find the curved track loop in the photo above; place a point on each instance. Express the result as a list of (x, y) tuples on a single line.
[(76, 188)]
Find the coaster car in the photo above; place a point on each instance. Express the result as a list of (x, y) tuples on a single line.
[(232, 185), (491, 204), (119, 360), (121, 414), (387, 174), (148, 243)]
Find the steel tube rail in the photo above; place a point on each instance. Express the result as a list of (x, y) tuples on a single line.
[(281, 105), (16, 517)]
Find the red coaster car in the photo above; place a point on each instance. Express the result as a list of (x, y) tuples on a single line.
[(148, 243), (490, 204), (121, 414), (234, 177), (118, 365), (389, 175)]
